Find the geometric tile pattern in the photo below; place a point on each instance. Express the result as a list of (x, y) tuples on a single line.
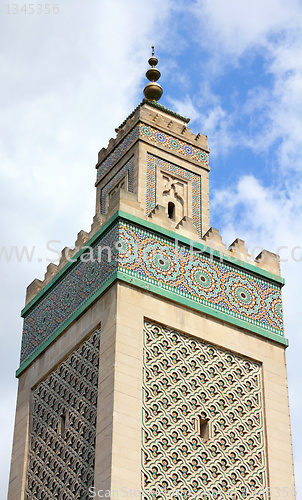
[(154, 165), (176, 145), (128, 168), (218, 285), (185, 380), (135, 251), (63, 426), (69, 293), (155, 137), (118, 152)]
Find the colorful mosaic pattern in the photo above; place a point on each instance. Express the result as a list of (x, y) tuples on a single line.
[(134, 251), (118, 152), (154, 164), (77, 286), (128, 168), (156, 137), (185, 380), (172, 144), (63, 427), (220, 286)]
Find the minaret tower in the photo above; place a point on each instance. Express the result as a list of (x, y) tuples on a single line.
[(153, 357)]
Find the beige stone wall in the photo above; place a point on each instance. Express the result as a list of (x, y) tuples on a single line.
[(121, 312), (102, 312), (133, 306)]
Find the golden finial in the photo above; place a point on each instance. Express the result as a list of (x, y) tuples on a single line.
[(153, 90)]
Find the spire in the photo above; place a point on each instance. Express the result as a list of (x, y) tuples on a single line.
[(153, 90)]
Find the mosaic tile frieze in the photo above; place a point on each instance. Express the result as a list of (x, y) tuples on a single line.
[(138, 252), (154, 165), (77, 286), (126, 170), (118, 152), (218, 285), (169, 142), (63, 428), (155, 137), (185, 382)]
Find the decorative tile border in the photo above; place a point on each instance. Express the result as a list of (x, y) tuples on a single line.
[(155, 137), (67, 296), (133, 253), (172, 144), (217, 285), (127, 168), (154, 163), (118, 152)]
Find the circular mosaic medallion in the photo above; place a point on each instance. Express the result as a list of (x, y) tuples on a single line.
[(188, 150), (174, 144), (146, 131), (202, 156), (203, 279), (67, 296), (243, 295), (161, 138), (162, 262), (91, 272), (45, 318), (159, 260)]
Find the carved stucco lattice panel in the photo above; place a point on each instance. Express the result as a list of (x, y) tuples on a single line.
[(186, 379), (63, 426)]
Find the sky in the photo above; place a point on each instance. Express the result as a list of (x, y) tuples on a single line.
[(70, 77)]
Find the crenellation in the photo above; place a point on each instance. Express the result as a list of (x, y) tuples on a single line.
[(33, 289), (239, 250), (268, 261), (51, 271), (66, 256), (81, 239), (214, 240)]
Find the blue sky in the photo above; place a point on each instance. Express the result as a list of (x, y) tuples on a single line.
[(68, 79)]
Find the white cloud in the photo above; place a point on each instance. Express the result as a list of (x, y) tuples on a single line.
[(234, 27)]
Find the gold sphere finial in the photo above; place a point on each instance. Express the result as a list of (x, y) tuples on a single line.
[(153, 90)]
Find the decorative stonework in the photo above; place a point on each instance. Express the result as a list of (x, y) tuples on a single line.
[(118, 152), (170, 143), (130, 252), (63, 427), (185, 382), (126, 170), (69, 294), (156, 137), (154, 165), (218, 285)]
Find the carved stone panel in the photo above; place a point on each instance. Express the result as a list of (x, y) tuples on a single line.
[(63, 426), (203, 430)]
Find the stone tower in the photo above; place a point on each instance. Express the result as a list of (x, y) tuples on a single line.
[(153, 357)]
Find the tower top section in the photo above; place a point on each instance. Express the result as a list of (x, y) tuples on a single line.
[(153, 90)]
